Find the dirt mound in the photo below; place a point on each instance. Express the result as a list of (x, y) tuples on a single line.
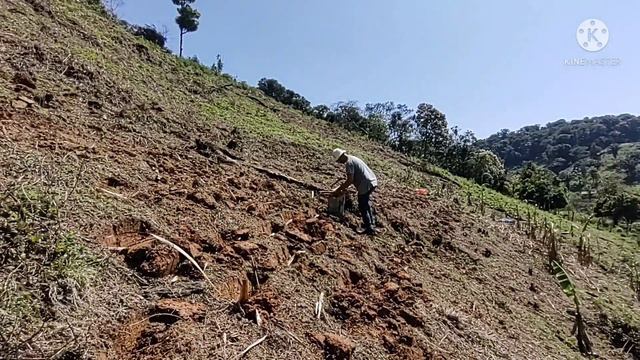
[(153, 259), (127, 232), (335, 347)]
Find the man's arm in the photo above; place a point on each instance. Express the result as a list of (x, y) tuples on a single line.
[(340, 189)]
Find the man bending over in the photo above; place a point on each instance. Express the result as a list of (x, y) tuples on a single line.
[(364, 180)]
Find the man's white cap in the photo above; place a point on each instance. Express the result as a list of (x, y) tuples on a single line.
[(337, 153)]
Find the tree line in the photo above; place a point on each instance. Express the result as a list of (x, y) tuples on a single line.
[(423, 133)]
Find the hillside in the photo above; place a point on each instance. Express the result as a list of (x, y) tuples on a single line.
[(107, 143), (576, 146)]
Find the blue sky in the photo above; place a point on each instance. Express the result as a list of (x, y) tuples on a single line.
[(486, 64)]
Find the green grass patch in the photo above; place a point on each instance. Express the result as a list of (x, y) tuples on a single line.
[(263, 123), (35, 247)]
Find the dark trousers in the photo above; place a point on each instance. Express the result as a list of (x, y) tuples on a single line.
[(366, 211)]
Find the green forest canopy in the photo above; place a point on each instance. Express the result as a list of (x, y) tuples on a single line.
[(577, 146)]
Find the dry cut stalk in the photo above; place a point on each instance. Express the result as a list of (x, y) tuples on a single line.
[(184, 253), (244, 291), (319, 305), (258, 318), (251, 347)]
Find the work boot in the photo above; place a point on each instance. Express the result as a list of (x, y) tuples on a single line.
[(363, 231)]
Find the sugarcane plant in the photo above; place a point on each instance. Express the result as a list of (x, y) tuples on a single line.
[(551, 241), (634, 276), (579, 327), (584, 245)]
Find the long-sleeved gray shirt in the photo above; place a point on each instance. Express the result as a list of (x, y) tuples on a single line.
[(363, 178)]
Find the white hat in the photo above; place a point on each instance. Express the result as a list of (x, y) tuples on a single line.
[(337, 153)]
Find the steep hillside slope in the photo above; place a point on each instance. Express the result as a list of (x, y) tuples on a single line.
[(106, 141)]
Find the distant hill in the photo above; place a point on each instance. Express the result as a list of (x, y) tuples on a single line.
[(567, 146)]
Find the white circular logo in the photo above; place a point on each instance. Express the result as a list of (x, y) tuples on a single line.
[(592, 35)]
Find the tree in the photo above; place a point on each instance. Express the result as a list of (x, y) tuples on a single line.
[(540, 186), (150, 33), (628, 161), (112, 6), (187, 19), (461, 147), (617, 207), (274, 89), (433, 134), (218, 66), (376, 128), (401, 131), (485, 168), (320, 111), (348, 115)]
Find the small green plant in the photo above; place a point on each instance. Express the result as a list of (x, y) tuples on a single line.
[(579, 327)]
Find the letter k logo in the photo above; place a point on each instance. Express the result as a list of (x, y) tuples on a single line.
[(592, 35)]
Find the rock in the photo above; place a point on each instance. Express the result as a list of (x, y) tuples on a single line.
[(318, 248), (276, 256), (194, 250), (23, 78), (27, 100), (203, 199), (391, 287), (487, 253), (403, 275), (337, 347), (298, 236), (327, 229), (245, 248), (19, 104)]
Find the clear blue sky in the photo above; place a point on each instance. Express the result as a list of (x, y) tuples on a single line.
[(486, 64)]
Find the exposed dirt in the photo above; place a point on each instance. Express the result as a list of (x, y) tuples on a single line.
[(440, 281)]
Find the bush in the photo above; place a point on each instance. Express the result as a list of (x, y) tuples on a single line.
[(485, 168), (540, 187)]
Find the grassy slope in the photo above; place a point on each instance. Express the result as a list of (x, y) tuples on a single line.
[(134, 77)]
